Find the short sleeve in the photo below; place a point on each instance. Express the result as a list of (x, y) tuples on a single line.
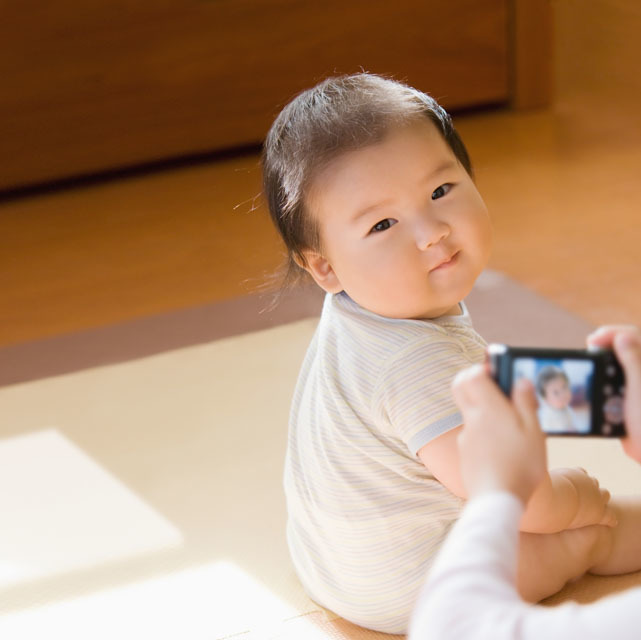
[(413, 394)]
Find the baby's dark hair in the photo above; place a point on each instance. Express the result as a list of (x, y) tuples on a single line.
[(339, 114), (546, 375)]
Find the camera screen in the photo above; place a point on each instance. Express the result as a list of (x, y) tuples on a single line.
[(564, 390)]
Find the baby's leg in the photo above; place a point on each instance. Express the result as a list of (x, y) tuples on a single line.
[(548, 561), (626, 538)]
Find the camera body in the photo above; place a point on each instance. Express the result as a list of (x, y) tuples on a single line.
[(580, 391)]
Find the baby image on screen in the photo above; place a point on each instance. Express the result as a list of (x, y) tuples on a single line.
[(555, 413), (563, 392)]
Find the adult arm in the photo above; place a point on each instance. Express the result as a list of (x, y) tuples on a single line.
[(502, 452), (470, 592)]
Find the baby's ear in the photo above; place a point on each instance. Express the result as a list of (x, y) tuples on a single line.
[(321, 270)]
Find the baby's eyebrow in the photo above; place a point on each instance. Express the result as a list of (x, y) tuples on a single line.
[(372, 207), (445, 166)]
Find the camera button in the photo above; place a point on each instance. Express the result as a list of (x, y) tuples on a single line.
[(613, 410), (611, 370), (606, 429), (608, 389)]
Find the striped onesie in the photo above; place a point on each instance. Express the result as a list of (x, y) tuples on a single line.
[(365, 517)]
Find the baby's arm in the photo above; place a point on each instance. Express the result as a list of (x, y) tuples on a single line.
[(441, 457)]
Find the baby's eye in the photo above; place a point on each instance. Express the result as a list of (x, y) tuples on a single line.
[(441, 191), (383, 225)]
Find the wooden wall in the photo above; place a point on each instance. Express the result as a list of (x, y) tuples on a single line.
[(99, 85)]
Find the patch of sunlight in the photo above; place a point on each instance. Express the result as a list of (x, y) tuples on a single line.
[(207, 602), (62, 512)]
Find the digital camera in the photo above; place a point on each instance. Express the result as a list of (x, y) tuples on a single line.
[(580, 391)]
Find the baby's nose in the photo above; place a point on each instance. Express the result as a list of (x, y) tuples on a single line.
[(430, 233)]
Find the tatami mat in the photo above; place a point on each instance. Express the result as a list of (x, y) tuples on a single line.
[(197, 435), (167, 518)]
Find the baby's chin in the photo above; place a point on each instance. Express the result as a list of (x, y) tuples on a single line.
[(423, 314), (403, 309)]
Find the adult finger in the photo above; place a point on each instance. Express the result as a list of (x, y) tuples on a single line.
[(464, 384), (474, 387), (604, 336), (627, 346)]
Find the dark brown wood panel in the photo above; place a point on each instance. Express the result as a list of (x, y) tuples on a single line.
[(531, 53), (92, 86)]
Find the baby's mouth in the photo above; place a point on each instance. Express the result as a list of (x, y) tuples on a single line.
[(448, 262)]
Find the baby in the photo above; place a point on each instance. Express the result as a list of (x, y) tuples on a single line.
[(555, 413), (371, 189)]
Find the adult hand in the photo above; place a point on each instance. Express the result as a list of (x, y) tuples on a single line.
[(501, 446), (626, 342)]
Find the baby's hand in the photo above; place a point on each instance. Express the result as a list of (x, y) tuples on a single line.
[(593, 501)]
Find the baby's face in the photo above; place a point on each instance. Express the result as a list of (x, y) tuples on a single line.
[(404, 230), (557, 393)]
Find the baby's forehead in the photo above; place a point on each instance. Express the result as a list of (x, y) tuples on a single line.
[(404, 156), (420, 133)]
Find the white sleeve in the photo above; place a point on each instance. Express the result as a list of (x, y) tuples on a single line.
[(470, 592)]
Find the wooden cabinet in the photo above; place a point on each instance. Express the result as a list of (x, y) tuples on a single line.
[(92, 86)]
